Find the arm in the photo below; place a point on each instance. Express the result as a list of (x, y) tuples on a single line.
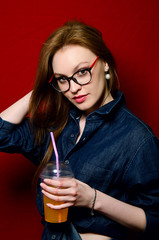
[(141, 184), (16, 136), (125, 214), (16, 112)]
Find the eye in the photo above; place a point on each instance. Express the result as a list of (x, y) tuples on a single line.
[(61, 80), (82, 72)]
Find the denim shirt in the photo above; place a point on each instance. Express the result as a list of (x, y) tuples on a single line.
[(117, 154)]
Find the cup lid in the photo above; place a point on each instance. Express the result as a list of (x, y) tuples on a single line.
[(50, 171)]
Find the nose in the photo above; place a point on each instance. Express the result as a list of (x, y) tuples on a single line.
[(74, 87)]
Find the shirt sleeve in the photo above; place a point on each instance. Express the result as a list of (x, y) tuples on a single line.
[(142, 184), (19, 138)]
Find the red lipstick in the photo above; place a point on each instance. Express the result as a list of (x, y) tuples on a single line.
[(80, 98)]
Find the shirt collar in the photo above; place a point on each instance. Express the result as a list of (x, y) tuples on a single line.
[(104, 110)]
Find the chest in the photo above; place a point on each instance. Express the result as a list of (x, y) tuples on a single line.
[(97, 157)]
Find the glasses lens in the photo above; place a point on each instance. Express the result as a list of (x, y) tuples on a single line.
[(82, 76), (60, 84)]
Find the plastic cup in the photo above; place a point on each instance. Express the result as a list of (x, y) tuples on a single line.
[(50, 172)]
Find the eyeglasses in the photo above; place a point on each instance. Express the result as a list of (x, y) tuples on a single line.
[(81, 77)]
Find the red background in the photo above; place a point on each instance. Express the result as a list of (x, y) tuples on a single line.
[(130, 29)]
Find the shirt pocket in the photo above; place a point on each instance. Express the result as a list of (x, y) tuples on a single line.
[(96, 176)]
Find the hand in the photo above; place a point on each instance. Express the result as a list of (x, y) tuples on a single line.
[(71, 192)]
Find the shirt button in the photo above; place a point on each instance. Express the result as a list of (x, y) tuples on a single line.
[(72, 135), (53, 236), (67, 161), (84, 139)]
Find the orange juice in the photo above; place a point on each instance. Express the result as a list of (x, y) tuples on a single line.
[(50, 172), (54, 215)]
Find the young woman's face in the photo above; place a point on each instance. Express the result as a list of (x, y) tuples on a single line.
[(69, 60)]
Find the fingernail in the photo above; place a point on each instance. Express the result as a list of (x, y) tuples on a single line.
[(48, 204)]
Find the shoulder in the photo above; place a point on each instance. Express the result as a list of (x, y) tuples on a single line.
[(135, 124), (132, 132), (142, 142)]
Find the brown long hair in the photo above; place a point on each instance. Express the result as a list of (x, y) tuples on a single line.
[(49, 108)]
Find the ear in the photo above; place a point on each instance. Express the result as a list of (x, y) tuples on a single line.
[(106, 67)]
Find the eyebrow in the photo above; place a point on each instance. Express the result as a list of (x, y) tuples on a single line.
[(74, 69)]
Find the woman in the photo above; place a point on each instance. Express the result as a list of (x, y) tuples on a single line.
[(113, 154)]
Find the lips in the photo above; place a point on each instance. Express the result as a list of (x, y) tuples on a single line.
[(80, 98)]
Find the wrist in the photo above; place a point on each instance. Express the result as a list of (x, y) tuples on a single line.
[(97, 205), (90, 198), (93, 202)]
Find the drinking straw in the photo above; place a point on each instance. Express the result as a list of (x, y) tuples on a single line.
[(56, 154)]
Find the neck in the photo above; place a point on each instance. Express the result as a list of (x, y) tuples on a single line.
[(108, 98)]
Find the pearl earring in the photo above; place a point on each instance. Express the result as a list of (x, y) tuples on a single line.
[(107, 75)]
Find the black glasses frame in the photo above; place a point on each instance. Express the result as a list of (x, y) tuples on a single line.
[(53, 78)]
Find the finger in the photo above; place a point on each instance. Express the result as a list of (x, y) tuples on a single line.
[(50, 189), (60, 206), (62, 183), (52, 182), (57, 198), (59, 191)]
